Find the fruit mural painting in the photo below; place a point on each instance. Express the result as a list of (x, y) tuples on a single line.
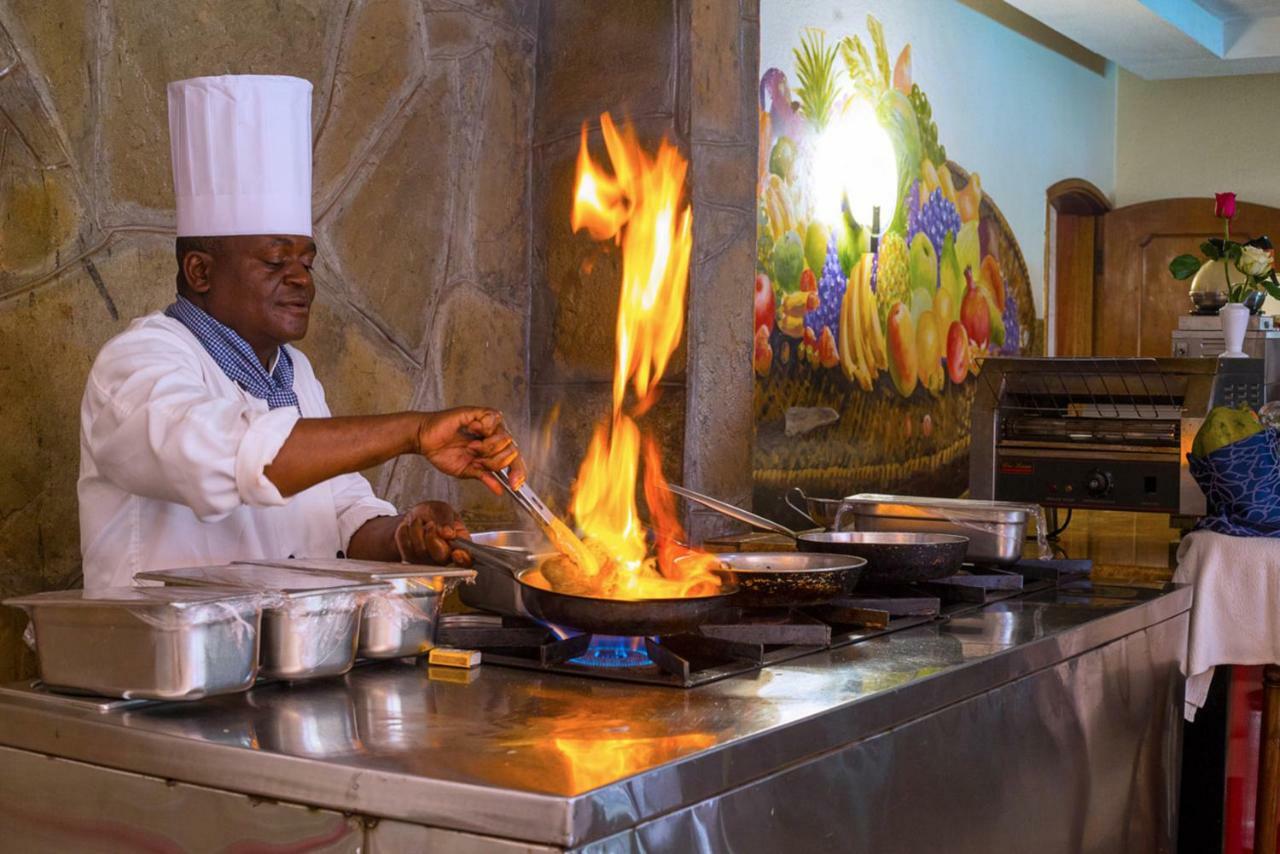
[(887, 329)]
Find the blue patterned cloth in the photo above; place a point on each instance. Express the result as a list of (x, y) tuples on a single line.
[(236, 358), (1241, 485)]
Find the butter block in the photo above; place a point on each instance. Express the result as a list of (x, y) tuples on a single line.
[(450, 657)]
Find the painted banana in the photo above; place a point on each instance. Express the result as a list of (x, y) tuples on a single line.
[(878, 345), (864, 370)]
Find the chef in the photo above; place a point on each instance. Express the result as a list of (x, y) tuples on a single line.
[(204, 435)]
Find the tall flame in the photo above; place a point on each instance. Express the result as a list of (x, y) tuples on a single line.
[(641, 206)]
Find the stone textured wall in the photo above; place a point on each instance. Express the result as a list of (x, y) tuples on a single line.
[(423, 111)]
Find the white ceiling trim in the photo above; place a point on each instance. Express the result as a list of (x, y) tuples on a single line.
[(1163, 39)]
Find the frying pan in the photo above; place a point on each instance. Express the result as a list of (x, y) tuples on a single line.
[(769, 579), (598, 615), (892, 558)]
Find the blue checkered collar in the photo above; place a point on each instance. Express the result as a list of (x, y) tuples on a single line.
[(236, 358)]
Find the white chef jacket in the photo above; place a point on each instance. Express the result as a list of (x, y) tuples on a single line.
[(172, 453)]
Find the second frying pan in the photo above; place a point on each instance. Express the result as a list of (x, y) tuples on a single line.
[(893, 558)]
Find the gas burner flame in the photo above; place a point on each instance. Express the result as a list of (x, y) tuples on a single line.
[(641, 207), (608, 651)]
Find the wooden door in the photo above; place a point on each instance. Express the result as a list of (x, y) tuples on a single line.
[(1136, 302), (1073, 219)]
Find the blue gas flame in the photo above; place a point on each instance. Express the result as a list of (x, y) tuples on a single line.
[(607, 651)]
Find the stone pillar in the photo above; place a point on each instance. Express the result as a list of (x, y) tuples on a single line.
[(722, 62)]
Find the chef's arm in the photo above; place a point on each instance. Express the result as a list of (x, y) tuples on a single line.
[(322, 448), (467, 442)]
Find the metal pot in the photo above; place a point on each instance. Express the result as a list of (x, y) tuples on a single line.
[(494, 591)]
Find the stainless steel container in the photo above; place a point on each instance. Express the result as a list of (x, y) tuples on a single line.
[(311, 628), (495, 591), (996, 529), (820, 511), (398, 622), (146, 642)]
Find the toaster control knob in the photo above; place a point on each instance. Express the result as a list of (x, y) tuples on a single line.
[(1099, 483)]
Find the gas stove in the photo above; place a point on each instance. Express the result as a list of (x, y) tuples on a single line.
[(749, 640)]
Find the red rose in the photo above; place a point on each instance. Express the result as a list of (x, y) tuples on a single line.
[(1224, 205)]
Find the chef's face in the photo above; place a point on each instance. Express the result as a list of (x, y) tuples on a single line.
[(260, 286)]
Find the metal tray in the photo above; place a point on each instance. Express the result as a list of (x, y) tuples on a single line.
[(149, 643), (312, 628), (394, 624), (996, 529)]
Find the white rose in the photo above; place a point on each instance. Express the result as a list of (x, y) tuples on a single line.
[(1254, 262)]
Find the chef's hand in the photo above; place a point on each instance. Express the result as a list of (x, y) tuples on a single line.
[(472, 442), (424, 533)]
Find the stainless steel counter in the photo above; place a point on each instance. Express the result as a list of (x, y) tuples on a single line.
[(1068, 698)]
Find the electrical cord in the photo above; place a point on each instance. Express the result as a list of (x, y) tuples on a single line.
[(1057, 532)]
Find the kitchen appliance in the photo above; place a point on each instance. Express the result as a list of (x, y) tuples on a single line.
[(309, 630), (1200, 336), (742, 642), (150, 643), (397, 622), (1076, 688), (1102, 433)]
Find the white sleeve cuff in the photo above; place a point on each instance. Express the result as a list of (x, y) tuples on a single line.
[(262, 441), (353, 517)]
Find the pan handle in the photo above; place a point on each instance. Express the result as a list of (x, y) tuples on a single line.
[(836, 524), (794, 493), (726, 509), (492, 557)]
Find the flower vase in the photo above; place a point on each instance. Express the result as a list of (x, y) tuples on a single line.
[(1235, 321)]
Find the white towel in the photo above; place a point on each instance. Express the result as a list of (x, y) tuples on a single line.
[(1235, 613)]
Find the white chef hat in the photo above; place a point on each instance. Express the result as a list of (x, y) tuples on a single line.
[(241, 148)]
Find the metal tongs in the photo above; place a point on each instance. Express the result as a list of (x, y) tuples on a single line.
[(528, 500), (556, 532)]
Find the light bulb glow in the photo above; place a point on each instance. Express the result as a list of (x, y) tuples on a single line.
[(855, 159)]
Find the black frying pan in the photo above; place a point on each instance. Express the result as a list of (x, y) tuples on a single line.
[(893, 558), (597, 615), (773, 579)]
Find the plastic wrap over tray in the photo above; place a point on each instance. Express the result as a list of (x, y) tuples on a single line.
[(313, 629), (396, 623), (147, 642)]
